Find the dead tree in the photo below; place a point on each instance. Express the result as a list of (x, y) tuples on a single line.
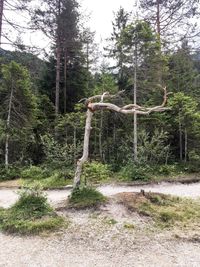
[(101, 105)]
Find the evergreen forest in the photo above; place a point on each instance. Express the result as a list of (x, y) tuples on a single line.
[(43, 98)]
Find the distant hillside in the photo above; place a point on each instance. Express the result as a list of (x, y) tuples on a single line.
[(35, 65)]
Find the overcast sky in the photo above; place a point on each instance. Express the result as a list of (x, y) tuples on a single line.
[(102, 14), (100, 21)]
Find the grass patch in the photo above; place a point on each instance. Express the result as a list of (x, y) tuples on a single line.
[(86, 197), (165, 210), (31, 214), (47, 179)]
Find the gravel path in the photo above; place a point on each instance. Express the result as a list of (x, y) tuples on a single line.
[(91, 240), (9, 196)]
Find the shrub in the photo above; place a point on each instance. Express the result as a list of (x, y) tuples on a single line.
[(10, 173), (132, 172), (166, 169), (96, 171), (85, 197), (35, 172)]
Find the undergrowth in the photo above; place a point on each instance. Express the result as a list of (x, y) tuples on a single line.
[(47, 178), (31, 214)]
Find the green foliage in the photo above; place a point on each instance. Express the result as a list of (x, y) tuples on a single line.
[(153, 149), (10, 173), (35, 173), (47, 178), (57, 154), (86, 197), (133, 172), (31, 214), (96, 172)]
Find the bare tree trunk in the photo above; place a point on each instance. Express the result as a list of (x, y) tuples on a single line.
[(65, 82), (57, 77), (100, 136), (135, 141), (87, 66), (75, 145), (58, 60), (180, 139), (158, 19), (1, 18), (84, 157), (186, 145), (8, 126)]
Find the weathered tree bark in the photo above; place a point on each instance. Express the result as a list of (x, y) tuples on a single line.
[(158, 19), (135, 139), (84, 158), (186, 145), (180, 139), (74, 145), (57, 78), (65, 81), (58, 61), (100, 136), (92, 107), (8, 126), (1, 18)]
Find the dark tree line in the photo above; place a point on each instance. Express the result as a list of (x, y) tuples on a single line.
[(41, 117)]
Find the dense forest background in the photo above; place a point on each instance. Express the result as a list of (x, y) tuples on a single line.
[(41, 118)]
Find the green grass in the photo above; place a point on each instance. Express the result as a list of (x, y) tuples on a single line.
[(86, 197), (52, 182), (46, 178), (165, 210), (31, 214)]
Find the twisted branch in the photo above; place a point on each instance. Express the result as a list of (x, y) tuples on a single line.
[(128, 109)]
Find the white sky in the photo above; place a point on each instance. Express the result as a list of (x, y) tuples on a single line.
[(102, 14), (100, 21)]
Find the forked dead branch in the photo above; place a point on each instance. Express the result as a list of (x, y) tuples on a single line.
[(101, 105)]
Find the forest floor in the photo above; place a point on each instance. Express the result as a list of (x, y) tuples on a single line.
[(110, 236)]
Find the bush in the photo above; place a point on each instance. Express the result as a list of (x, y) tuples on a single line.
[(194, 163), (132, 172), (96, 171), (10, 173), (166, 169), (31, 214), (35, 172), (85, 197)]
